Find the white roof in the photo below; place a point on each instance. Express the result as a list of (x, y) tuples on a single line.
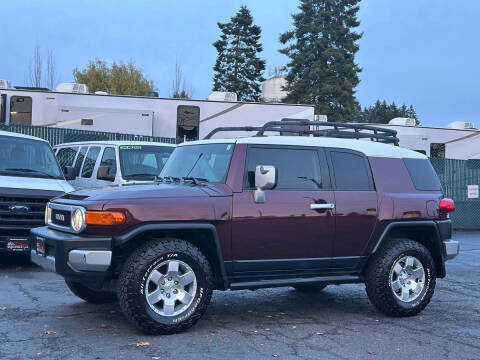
[(18, 135), (116, 143), (367, 147)]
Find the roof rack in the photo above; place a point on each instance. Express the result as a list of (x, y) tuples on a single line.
[(319, 129)]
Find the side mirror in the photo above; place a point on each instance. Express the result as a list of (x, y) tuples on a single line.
[(104, 174), (265, 179), (69, 173)]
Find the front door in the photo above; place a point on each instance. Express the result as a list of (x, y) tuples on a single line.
[(293, 230)]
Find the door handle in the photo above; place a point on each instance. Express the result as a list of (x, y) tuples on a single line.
[(322, 206)]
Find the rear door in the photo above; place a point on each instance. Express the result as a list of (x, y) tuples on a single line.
[(285, 234), (356, 205)]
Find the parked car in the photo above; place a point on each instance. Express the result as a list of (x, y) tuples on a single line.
[(29, 178), (104, 163), (257, 212)]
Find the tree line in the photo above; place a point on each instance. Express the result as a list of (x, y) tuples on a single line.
[(321, 68)]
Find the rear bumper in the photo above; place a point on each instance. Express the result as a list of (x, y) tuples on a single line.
[(76, 258), (452, 248)]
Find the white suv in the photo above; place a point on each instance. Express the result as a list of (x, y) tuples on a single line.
[(29, 178), (93, 164)]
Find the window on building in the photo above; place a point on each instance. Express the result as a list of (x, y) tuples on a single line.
[(188, 122), (437, 150), (21, 110)]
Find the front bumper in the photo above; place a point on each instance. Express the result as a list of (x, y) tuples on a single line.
[(452, 248), (76, 258)]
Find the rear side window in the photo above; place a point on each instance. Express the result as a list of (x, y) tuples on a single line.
[(423, 175), (297, 169), (66, 156), (80, 157), (90, 161), (351, 171)]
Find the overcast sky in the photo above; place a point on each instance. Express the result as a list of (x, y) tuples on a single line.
[(420, 52)]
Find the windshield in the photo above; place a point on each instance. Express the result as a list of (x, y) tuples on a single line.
[(27, 158), (143, 162), (207, 162)]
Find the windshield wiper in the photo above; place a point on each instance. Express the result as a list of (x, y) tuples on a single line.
[(171, 179), (194, 179), (32, 171)]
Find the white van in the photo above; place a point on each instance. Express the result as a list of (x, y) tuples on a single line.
[(29, 177), (93, 164)]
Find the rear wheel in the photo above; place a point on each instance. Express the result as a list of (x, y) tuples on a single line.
[(400, 279), (165, 286), (90, 295)]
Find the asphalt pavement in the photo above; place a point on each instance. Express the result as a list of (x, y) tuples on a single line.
[(41, 319)]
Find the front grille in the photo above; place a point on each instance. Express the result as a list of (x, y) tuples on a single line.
[(22, 211)]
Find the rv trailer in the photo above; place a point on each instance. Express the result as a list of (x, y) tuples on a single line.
[(153, 116), (459, 140)]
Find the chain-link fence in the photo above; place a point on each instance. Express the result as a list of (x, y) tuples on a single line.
[(60, 135), (456, 176)]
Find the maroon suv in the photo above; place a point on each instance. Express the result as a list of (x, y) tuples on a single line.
[(256, 212)]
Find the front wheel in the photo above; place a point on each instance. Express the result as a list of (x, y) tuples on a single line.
[(400, 278), (165, 286)]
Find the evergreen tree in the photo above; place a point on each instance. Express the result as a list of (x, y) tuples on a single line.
[(321, 48), (238, 67), (382, 113)]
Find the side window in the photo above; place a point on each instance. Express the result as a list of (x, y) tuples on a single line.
[(66, 156), (90, 161), (351, 171), (423, 174), (80, 157), (109, 159), (297, 169)]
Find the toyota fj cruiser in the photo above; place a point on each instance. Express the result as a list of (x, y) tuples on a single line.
[(262, 211)]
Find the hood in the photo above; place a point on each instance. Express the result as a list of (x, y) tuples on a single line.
[(152, 191), (23, 182)]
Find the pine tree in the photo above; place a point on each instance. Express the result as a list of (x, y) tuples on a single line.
[(321, 48), (382, 113), (238, 67)]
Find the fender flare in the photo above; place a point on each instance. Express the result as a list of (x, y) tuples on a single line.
[(438, 256), (123, 238)]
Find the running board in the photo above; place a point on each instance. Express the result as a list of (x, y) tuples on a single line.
[(267, 283)]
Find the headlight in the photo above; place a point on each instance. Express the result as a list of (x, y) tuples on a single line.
[(48, 215), (78, 220)]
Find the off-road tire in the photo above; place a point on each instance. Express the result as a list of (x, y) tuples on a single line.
[(308, 289), (134, 274), (90, 295), (378, 273)]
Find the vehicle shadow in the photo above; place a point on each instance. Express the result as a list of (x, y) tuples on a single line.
[(11, 260)]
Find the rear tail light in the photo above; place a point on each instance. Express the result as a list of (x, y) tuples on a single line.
[(447, 205)]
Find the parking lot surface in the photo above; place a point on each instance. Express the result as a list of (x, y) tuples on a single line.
[(41, 319)]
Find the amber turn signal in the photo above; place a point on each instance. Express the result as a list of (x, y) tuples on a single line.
[(104, 218)]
